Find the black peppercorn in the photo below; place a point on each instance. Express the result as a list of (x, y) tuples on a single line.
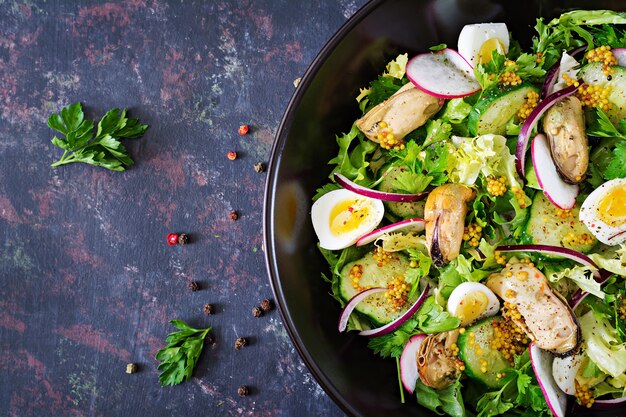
[(240, 342), (233, 215), (194, 286), (183, 239), (209, 309), (259, 167), (266, 305), (243, 391), (257, 312)]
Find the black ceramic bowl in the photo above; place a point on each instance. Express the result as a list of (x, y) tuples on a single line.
[(360, 383)]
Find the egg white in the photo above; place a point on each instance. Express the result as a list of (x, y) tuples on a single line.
[(605, 233), (472, 38), (321, 212), (459, 294)]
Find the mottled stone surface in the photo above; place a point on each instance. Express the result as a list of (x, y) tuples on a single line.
[(88, 281)]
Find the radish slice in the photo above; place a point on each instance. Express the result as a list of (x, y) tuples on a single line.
[(379, 195), (557, 251), (408, 362), (414, 225), (620, 55), (444, 74), (349, 308), (388, 328), (531, 121), (542, 366), (560, 193)]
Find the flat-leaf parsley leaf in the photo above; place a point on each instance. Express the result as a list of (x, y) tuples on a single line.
[(181, 354), (104, 150)]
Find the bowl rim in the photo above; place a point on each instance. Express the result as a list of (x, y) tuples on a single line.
[(268, 206)]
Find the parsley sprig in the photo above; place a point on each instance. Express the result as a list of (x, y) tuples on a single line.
[(181, 354), (80, 145)]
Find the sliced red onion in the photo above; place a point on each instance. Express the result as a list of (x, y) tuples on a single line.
[(443, 74), (379, 195), (533, 118), (560, 193), (553, 72), (390, 327), (349, 307), (620, 55), (556, 251), (408, 362), (415, 225), (541, 361), (608, 404)]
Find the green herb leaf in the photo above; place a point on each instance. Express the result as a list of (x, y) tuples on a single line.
[(431, 318), (105, 150), (179, 357), (617, 166)]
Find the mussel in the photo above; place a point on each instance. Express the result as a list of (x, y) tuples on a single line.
[(564, 124), (437, 364), (543, 313), (403, 112), (444, 214)]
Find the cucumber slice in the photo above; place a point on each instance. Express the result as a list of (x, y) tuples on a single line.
[(375, 307), (592, 74), (496, 108), (548, 225), (476, 352), (404, 210)]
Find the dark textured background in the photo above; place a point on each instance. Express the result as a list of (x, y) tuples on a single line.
[(88, 282)]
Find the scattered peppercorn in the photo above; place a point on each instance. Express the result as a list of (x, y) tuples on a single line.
[(172, 239), (257, 312), (183, 239), (232, 155), (266, 305), (233, 215), (194, 286), (244, 129), (259, 167), (209, 309), (240, 342), (243, 391), (131, 368)]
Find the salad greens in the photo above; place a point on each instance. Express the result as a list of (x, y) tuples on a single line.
[(505, 208)]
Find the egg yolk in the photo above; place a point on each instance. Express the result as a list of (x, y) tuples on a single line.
[(472, 306), (490, 45), (612, 207), (347, 216)]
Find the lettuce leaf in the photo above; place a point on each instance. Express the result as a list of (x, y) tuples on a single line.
[(613, 261), (487, 155), (351, 160), (448, 400), (581, 275), (397, 67), (602, 344)]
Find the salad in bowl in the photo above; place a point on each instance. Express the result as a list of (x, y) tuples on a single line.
[(475, 220)]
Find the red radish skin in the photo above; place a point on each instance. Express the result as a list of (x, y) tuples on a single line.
[(388, 328), (541, 361), (354, 301), (531, 121), (413, 225), (557, 251), (408, 362), (378, 195), (443, 74), (560, 193)]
